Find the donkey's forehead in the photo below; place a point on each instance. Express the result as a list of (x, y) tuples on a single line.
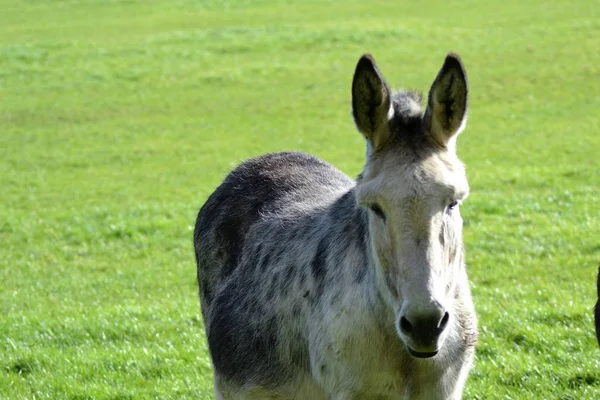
[(403, 175), (441, 171)]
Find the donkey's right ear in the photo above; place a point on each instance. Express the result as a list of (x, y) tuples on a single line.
[(370, 101), (446, 113)]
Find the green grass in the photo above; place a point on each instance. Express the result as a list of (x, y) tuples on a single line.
[(118, 119)]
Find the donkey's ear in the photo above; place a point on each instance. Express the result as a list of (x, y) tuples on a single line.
[(370, 101), (446, 113)]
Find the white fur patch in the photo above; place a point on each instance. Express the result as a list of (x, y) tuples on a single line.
[(452, 141)]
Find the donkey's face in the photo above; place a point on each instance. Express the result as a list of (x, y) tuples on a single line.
[(413, 185)]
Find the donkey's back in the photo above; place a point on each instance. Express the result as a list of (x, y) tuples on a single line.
[(285, 185)]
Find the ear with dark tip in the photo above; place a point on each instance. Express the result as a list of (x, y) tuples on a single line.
[(370, 102), (446, 113)]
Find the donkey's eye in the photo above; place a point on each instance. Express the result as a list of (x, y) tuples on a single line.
[(377, 210), (452, 206)]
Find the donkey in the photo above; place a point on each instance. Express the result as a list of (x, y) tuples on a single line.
[(316, 286)]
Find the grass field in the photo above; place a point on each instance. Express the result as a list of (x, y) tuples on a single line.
[(118, 119)]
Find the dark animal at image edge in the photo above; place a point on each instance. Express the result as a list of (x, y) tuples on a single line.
[(316, 286), (597, 308)]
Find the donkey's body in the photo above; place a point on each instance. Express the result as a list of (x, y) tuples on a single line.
[(299, 298)]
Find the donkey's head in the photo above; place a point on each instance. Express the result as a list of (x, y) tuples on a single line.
[(413, 185)]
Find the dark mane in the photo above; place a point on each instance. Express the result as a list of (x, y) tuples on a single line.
[(406, 126)]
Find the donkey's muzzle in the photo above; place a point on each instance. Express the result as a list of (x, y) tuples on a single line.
[(422, 331)]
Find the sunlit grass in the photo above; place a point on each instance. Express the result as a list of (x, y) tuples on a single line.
[(118, 119)]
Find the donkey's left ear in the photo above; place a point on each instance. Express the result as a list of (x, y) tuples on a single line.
[(446, 114), (370, 102)]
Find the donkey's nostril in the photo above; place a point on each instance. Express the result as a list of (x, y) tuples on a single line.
[(444, 321), (405, 325)]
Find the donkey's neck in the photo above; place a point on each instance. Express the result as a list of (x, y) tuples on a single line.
[(350, 224)]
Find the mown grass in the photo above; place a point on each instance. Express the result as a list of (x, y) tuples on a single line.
[(118, 119)]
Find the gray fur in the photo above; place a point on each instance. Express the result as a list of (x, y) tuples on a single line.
[(300, 294)]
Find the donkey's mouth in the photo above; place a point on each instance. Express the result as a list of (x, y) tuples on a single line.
[(419, 354)]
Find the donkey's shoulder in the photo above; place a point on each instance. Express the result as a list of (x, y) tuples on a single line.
[(269, 184)]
